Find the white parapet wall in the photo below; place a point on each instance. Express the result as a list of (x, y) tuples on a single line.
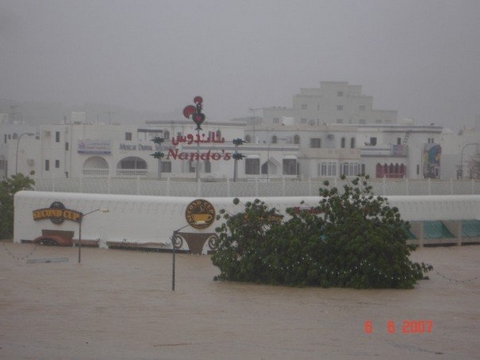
[(149, 221)]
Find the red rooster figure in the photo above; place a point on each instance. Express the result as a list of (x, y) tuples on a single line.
[(195, 111)]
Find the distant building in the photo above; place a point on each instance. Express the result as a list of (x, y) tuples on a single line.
[(328, 132), (333, 103)]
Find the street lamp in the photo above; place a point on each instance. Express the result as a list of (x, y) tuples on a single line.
[(80, 230), (461, 158), (174, 238), (16, 154)]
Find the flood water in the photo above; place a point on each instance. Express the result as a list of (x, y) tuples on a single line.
[(119, 304)]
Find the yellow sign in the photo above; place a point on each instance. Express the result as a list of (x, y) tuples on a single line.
[(200, 214), (58, 214)]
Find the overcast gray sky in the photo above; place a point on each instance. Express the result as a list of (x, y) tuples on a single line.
[(420, 57)]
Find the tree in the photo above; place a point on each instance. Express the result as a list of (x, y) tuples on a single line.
[(8, 188), (351, 239)]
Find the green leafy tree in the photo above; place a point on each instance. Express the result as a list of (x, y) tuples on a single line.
[(8, 188), (352, 238)]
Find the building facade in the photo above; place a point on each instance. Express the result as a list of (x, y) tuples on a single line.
[(329, 131)]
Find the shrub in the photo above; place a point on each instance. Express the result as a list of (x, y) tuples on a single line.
[(8, 188), (350, 239)]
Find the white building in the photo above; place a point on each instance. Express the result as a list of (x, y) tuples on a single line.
[(328, 132)]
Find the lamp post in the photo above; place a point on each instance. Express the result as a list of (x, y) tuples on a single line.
[(174, 237), (461, 158), (80, 220), (16, 153)]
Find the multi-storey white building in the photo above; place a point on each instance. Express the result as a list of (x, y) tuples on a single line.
[(333, 103), (329, 131), (98, 150)]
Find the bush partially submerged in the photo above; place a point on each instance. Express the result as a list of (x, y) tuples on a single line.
[(351, 239)]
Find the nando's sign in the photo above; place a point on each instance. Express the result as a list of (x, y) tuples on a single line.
[(57, 214)]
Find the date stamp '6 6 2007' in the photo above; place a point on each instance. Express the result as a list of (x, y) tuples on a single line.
[(405, 327)]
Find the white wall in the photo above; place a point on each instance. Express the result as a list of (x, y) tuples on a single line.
[(152, 219)]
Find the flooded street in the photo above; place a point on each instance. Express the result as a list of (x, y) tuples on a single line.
[(118, 304)]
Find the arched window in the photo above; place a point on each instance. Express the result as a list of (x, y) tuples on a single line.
[(96, 166), (132, 165), (274, 139), (296, 139), (166, 135), (248, 139)]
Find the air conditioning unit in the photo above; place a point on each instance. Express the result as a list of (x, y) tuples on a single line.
[(330, 136)]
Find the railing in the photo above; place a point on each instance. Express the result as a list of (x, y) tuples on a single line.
[(256, 188)]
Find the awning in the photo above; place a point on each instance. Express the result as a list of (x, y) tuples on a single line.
[(436, 230)]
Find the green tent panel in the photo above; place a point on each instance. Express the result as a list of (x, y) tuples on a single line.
[(470, 228), (436, 230)]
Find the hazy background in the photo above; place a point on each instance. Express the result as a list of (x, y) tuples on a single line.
[(420, 57)]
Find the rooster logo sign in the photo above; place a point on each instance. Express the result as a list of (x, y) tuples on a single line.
[(195, 111)]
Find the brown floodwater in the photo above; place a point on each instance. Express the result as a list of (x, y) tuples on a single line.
[(119, 304)]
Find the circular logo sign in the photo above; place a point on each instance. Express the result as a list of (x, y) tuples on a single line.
[(57, 220), (200, 214)]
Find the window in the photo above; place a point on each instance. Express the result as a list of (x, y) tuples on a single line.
[(132, 163), (352, 143), (339, 93), (166, 135), (361, 108), (328, 169), (315, 143), (339, 121), (361, 121), (208, 166), (296, 139), (128, 136), (248, 139), (392, 171), (47, 165), (303, 121), (57, 136), (67, 145), (191, 166), (252, 166), (378, 121), (276, 120), (57, 164), (339, 107), (373, 141), (399, 141), (343, 142), (349, 169), (274, 139), (166, 166), (431, 140), (304, 106), (289, 166)]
